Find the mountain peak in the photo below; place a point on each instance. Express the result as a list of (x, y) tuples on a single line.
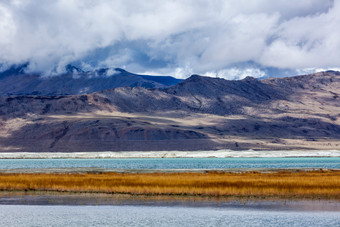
[(337, 73), (250, 79), (195, 78), (15, 69), (74, 81), (73, 69), (121, 70)]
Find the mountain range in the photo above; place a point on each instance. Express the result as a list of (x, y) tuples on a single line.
[(75, 81), (153, 113)]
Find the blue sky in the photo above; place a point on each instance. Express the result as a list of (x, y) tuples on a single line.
[(225, 38)]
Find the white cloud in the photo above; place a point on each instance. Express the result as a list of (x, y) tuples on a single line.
[(306, 42), (315, 70), (7, 26), (111, 72), (180, 37), (237, 73)]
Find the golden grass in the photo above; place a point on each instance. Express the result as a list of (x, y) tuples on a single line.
[(313, 184)]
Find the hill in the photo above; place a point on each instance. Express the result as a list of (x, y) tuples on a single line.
[(14, 81), (198, 113)]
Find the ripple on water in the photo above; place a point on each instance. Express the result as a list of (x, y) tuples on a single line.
[(175, 163), (18, 215)]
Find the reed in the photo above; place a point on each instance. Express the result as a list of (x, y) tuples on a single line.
[(311, 184)]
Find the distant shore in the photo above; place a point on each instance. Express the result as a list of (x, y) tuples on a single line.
[(173, 154)]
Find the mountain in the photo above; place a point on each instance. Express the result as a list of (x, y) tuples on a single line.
[(13, 70), (14, 81), (199, 113)]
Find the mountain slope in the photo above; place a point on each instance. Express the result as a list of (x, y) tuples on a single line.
[(75, 81), (300, 112)]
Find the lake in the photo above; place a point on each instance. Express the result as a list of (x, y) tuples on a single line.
[(90, 210), (176, 163), (134, 215)]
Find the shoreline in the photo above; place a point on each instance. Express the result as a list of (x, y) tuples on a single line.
[(172, 154), (103, 199), (95, 170)]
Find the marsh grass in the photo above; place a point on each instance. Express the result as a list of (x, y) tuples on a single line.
[(283, 184)]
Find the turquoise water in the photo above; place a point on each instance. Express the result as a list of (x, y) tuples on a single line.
[(174, 163), (18, 215)]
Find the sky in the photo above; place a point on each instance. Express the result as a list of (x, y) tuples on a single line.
[(230, 39)]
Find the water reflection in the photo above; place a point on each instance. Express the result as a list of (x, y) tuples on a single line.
[(128, 215)]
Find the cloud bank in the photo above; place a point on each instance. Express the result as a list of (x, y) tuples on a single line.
[(230, 39)]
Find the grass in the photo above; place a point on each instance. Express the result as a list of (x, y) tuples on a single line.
[(283, 184)]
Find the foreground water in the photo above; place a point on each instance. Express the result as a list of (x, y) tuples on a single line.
[(19, 215), (175, 163)]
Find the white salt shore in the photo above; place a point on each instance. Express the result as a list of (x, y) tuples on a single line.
[(173, 154)]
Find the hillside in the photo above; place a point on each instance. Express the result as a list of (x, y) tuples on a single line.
[(301, 112), (75, 81)]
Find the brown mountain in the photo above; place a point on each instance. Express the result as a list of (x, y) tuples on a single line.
[(301, 112)]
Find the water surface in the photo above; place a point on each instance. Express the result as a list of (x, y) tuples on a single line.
[(18, 215), (175, 163)]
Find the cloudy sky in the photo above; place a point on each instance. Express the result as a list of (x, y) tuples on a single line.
[(225, 38)]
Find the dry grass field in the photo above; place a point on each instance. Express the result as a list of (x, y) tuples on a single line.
[(283, 184)]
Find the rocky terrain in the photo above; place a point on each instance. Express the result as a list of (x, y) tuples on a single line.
[(75, 81), (199, 113)]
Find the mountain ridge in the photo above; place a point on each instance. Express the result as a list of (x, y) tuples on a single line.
[(14, 81), (198, 113)]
